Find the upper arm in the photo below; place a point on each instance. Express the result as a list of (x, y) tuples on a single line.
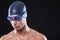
[(0, 38), (45, 38)]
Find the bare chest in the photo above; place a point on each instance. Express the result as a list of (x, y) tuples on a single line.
[(22, 38)]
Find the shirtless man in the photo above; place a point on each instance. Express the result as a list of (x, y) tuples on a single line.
[(17, 15)]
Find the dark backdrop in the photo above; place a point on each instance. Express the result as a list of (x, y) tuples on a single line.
[(43, 16)]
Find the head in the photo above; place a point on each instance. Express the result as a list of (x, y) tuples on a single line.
[(17, 15)]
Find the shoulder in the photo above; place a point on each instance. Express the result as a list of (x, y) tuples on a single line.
[(4, 37), (39, 35)]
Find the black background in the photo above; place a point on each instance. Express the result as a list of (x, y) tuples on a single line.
[(43, 16)]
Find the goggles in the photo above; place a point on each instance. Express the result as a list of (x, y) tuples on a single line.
[(16, 18)]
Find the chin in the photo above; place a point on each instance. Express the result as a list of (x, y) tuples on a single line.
[(17, 29)]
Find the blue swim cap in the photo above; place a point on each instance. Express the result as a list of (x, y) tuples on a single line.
[(18, 8)]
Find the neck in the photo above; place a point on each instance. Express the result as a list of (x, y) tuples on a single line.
[(23, 31)]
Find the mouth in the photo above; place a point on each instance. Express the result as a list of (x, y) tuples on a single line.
[(16, 27)]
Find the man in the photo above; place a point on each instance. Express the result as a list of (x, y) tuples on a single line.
[(17, 15)]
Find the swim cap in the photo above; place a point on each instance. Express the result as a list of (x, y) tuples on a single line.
[(18, 8)]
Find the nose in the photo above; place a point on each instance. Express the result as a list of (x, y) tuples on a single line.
[(14, 22)]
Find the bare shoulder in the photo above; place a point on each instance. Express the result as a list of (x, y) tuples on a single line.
[(39, 35), (4, 37)]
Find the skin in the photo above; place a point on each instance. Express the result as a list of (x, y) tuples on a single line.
[(22, 31)]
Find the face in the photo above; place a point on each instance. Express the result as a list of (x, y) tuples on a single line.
[(17, 24)]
